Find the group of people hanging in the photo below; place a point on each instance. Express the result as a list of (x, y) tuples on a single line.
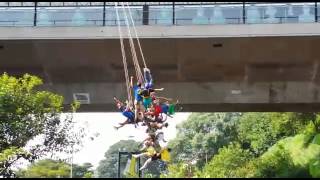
[(149, 110)]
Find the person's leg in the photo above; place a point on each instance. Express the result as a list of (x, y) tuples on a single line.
[(136, 110), (139, 155), (122, 124), (145, 164), (148, 78), (159, 125), (118, 127), (141, 107)]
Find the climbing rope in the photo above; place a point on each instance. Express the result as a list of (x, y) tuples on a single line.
[(133, 49), (124, 59), (136, 35), (163, 154)]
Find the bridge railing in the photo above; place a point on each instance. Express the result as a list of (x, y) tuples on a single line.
[(155, 13)]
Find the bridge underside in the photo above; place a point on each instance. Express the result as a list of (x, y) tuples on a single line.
[(270, 73)]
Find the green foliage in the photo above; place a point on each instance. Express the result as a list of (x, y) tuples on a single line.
[(49, 168), (154, 168), (46, 169), (79, 171), (108, 167), (290, 157), (227, 163), (8, 157), (316, 139), (200, 137), (88, 175), (26, 114), (149, 175), (181, 170), (249, 145), (275, 163), (314, 168), (316, 122), (262, 130), (11, 152)]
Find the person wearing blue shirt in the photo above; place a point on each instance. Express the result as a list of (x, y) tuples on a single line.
[(137, 97), (125, 111)]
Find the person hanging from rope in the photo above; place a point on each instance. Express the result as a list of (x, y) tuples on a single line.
[(153, 153), (158, 103), (154, 97), (154, 126), (157, 138), (148, 78), (126, 111), (137, 97), (154, 112), (169, 108), (146, 96)]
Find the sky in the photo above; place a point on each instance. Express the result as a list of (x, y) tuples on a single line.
[(102, 124)]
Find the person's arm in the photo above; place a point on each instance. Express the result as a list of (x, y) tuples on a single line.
[(163, 98), (143, 148), (169, 115), (128, 106), (149, 113), (131, 82), (161, 89), (117, 100)]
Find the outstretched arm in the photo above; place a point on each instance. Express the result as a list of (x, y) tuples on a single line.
[(165, 99), (161, 89)]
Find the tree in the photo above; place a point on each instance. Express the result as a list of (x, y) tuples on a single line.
[(290, 157), (182, 170), (88, 175), (201, 136), (108, 167), (27, 113), (79, 171), (46, 168), (259, 131), (247, 145), (49, 168), (228, 163)]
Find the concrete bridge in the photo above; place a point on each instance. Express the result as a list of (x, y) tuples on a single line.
[(256, 67)]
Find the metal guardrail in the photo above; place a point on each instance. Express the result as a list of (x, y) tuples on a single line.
[(79, 4), (149, 13)]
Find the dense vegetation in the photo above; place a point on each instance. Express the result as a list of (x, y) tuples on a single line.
[(26, 114), (247, 145), (207, 144)]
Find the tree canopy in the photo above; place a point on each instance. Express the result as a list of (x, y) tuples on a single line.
[(201, 136), (108, 167), (247, 145), (26, 114), (49, 168)]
